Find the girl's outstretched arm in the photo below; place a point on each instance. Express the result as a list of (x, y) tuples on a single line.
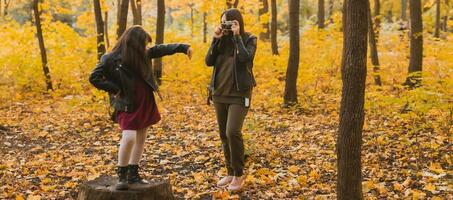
[(161, 50)]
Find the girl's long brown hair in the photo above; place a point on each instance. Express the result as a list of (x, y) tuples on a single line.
[(131, 46)]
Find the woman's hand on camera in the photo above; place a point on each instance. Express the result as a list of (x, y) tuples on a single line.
[(218, 32), (236, 28), (189, 53)]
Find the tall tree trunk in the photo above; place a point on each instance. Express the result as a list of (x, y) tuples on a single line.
[(320, 14), (160, 27), (353, 71), (263, 11), (136, 11), (191, 20), (416, 45), (5, 9), (106, 29), (274, 27), (437, 28), (205, 27), (42, 48), (377, 19), (373, 50), (118, 11), (330, 11), (122, 22), (169, 16), (290, 96), (404, 10), (445, 18), (99, 28), (231, 4)]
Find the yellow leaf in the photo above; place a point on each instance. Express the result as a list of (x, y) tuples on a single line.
[(314, 175), (293, 169), (367, 186), (19, 197), (430, 187), (302, 180)]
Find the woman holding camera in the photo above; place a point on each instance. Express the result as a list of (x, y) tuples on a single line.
[(231, 53)]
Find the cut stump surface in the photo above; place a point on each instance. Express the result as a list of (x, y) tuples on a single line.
[(103, 188)]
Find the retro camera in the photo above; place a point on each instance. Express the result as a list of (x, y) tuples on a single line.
[(226, 26)]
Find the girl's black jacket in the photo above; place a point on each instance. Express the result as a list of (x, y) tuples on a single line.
[(113, 77), (244, 54)]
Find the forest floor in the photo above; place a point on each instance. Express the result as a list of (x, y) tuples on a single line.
[(52, 144)]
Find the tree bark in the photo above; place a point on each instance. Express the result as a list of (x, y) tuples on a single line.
[(290, 96), (320, 14), (103, 188), (42, 47), (5, 9), (330, 11), (99, 28), (122, 22), (136, 11), (191, 20), (437, 28), (274, 27), (353, 71), (160, 28), (231, 4), (106, 29), (404, 10), (263, 11), (416, 44), (373, 50), (205, 27), (377, 19), (445, 18)]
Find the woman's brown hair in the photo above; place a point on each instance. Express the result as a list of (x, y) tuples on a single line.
[(131, 46)]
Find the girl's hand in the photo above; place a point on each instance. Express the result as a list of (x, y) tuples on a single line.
[(236, 28), (218, 32), (189, 53)]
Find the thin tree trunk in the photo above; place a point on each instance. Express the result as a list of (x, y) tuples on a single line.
[(320, 14), (136, 11), (106, 28), (330, 11), (263, 11), (0, 6), (42, 47), (122, 22), (170, 18), (99, 28), (191, 21), (118, 11), (205, 27), (373, 50), (230, 3), (290, 96), (445, 18), (404, 10), (274, 27), (353, 71), (377, 19), (5, 9), (160, 27), (416, 45), (437, 28)]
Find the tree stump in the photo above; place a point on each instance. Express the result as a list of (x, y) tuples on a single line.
[(103, 188)]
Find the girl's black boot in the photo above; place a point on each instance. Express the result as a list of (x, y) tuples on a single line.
[(134, 177), (122, 178)]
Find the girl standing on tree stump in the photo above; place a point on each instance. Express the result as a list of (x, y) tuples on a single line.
[(125, 73), (231, 53)]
